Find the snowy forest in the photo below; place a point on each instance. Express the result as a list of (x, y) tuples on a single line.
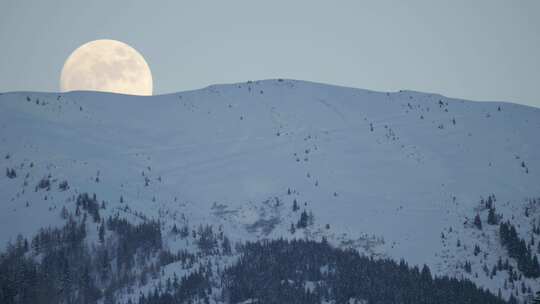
[(60, 265)]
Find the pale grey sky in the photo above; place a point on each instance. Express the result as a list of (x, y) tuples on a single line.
[(480, 50)]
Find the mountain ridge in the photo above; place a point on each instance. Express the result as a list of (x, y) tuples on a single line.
[(227, 84)]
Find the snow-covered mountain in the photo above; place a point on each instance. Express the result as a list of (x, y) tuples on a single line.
[(398, 174)]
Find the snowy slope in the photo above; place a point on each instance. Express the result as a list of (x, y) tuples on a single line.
[(388, 172)]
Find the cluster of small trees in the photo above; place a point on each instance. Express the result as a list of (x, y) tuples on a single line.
[(183, 231), (493, 218), (48, 239), (210, 242), (44, 184), (197, 286), (141, 241), (63, 186), (89, 204), (206, 240), (306, 219), (517, 248), (11, 173), (513, 274), (186, 258)]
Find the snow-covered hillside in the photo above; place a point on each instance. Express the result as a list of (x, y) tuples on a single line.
[(397, 175)]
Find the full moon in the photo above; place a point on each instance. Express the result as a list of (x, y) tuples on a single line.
[(106, 66)]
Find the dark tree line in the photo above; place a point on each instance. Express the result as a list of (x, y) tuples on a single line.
[(196, 285), (269, 271), (276, 272)]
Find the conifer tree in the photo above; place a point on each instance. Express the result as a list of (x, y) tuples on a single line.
[(102, 233), (478, 222), (492, 217), (295, 206)]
